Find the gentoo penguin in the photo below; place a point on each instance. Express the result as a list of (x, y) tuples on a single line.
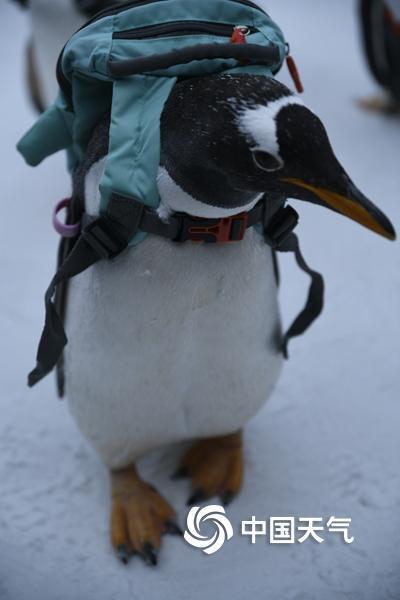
[(380, 26), (181, 342)]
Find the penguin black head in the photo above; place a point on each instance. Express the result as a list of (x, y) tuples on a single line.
[(226, 140)]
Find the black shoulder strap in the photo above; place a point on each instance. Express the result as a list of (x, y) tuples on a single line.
[(315, 299), (108, 235), (278, 232), (105, 237), (74, 214)]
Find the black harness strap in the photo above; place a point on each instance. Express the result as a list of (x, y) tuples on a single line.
[(278, 233), (315, 299), (74, 214), (107, 236)]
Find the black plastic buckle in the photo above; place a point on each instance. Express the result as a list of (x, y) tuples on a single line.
[(103, 238), (281, 226), (214, 231)]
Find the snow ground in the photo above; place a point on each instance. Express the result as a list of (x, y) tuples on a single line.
[(326, 444)]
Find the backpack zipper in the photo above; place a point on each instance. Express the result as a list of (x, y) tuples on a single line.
[(123, 6), (65, 84), (178, 28)]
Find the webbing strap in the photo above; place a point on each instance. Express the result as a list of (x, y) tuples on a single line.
[(108, 235), (315, 299), (104, 238)]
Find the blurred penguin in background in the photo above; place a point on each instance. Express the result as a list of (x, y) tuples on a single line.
[(52, 24), (380, 20)]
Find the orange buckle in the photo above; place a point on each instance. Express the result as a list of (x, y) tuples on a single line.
[(230, 229)]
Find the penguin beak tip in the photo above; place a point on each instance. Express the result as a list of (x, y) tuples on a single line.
[(352, 204), (392, 236)]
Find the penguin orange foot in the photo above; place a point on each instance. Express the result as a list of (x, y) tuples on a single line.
[(215, 466), (386, 106), (139, 517)]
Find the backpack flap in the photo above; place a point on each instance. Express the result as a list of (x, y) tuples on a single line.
[(51, 132)]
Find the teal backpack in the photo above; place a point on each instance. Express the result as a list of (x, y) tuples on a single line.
[(126, 60)]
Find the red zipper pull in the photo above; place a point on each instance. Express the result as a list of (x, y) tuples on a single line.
[(239, 34), (294, 73)]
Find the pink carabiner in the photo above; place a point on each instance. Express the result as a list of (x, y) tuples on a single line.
[(67, 231)]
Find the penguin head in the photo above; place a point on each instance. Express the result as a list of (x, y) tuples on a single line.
[(227, 140)]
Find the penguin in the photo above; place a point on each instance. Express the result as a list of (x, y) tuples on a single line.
[(178, 342), (52, 24), (380, 28)]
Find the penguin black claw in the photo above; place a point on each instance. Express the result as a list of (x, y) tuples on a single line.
[(173, 528), (149, 554), (197, 496), (123, 554), (227, 497), (181, 473)]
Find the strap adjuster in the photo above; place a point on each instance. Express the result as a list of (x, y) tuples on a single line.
[(281, 225), (214, 231), (103, 238)]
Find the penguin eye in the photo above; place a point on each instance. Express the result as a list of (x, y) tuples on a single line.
[(266, 161)]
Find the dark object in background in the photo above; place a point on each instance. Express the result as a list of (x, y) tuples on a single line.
[(91, 7), (381, 34), (86, 7), (52, 23), (33, 80)]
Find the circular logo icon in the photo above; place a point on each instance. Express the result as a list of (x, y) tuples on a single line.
[(214, 514)]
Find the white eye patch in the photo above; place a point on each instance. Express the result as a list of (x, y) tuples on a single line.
[(258, 124)]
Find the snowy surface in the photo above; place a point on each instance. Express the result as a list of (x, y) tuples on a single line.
[(326, 444)]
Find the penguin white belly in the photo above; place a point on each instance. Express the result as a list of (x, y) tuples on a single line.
[(171, 342)]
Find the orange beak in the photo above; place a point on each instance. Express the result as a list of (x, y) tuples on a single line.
[(357, 207)]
